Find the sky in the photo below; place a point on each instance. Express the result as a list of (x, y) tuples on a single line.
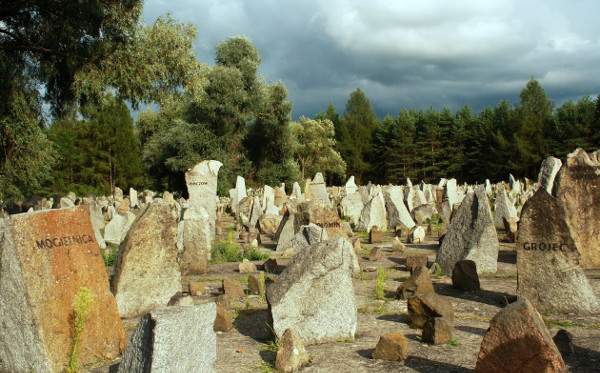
[(406, 54)]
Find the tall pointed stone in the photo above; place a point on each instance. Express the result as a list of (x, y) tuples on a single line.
[(239, 192), (471, 235), (396, 210), (548, 171), (318, 188), (578, 192), (373, 213), (504, 206), (548, 268), (350, 186), (201, 183)]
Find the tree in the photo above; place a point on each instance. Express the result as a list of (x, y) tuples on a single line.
[(51, 40), (316, 147), (356, 134)]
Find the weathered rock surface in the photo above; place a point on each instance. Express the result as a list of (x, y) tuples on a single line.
[(308, 235), (548, 260), (419, 282), (321, 214), (373, 213), (46, 257), (391, 346), (464, 275), (291, 355), (197, 247), (147, 272), (437, 330), (548, 171), (578, 192), (424, 307), (173, 339), (471, 235), (201, 183), (318, 188), (352, 206), (519, 339), (416, 234), (314, 294), (504, 206)]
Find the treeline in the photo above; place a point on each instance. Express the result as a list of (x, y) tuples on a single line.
[(91, 64), (471, 147)]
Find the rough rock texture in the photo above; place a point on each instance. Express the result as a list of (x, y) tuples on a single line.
[(233, 289), (437, 330), (254, 283), (308, 235), (255, 213), (46, 257), (518, 339), (269, 223), (464, 275), (419, 282), (147, 272), (318, 188), (416, 234), (268, 195), (373, 213), (504, 206), (578, 192), (396, 210), (197, 247), (280, 196), (173, 339), (314, 294), (223, 322), (563, 340), (291, 355), (350, 186), (391, 346), (201, 183), (375, 235), (412, 261), (471, 235), (375, 254), (424, 212), (197, 288), (247, 266), (285, 233), (352, 205), (548, 262), (270, 265), (548, 170), (424, 307), (117, 228), (321, 214), (244, 208), (239, 193)]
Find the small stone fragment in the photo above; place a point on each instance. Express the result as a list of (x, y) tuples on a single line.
[(391, 346), (197, 288), (412, 261), (423, 307), (437, 330), (291, 355), (375, 235), (419, 282), (233, 289), (247, 266), (464, 275), (375, 254), (564, 342)]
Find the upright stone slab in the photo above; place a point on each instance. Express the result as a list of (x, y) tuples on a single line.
[(46, 257), (373, 213), (548, 171), (548, 268), (197, 248), (133, 198), (350, 186), (314, 294), (285, 232), (396, 210), (297, 192), (504, 206), (471, 235), (280, 196), (147, 271), (319, 189), (352, 206), (255, 213), (308, 235), (451, 192), (578, 192), (239, 192), (173, 339), (201, 183), (268, 194)]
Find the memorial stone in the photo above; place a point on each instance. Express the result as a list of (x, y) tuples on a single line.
[(173, 339), (318, 188), (373, 213), (46, 259), (147, 271), (350, 186), (396, 210), (471, 235), (268, 195), (578, 192), (548, 171), (201, 183), (321, 214), (352, 206), (504, 206), (314, 294), (548, 268), (308, 235)]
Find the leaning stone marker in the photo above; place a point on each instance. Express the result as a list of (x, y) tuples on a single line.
[(578, 192), (147, 272), (548, 261), (519, 339), (173, 339), (46, 258), (314, 294), (201, 183), (471, 235)]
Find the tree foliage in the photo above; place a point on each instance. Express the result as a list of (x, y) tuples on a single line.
[(316, 147)]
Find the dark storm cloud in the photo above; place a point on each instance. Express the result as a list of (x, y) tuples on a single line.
[(407, 54)]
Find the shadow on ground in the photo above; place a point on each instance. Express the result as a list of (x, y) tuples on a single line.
[(493, 298), (431, 366)]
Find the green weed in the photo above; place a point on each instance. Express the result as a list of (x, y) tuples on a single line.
[(453, 342), (380, 286), (82, 307), (110, 256)]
